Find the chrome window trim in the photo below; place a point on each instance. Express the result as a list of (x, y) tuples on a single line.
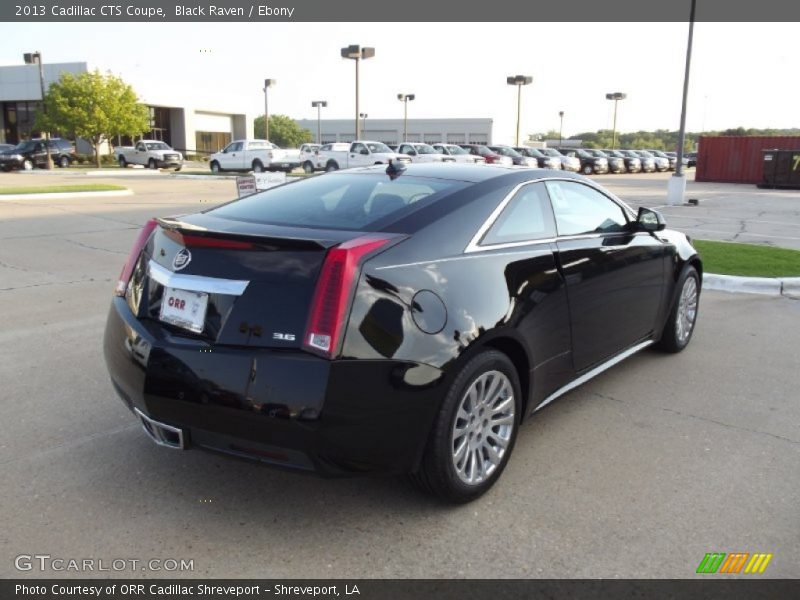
[(195, 283), (475, 245)]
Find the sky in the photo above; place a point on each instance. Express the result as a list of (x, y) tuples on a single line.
[(742, 73)]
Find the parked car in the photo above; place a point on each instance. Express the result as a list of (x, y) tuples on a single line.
[(661, 162), (672, 161), (542, 160), (517, 158), (152, 154), (648, 162), (31, 153), (254, 155), (633, 164), (373, 321), (423, 153), (647, 159), (490, 156), (360, 153), (4, 147), (308, 153), (616, 164), (691, 159), (568, 163), (674, 155), (459, 154), (589, 164)]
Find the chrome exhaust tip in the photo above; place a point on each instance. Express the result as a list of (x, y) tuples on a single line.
[(161, 434)]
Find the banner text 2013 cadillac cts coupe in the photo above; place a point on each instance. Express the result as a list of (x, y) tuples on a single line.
[(399, 320)]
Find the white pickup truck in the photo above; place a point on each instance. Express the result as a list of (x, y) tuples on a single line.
[(152, 154), (361, 153), (254, 155)]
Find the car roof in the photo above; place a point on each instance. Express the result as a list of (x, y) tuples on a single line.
[(464, 172)]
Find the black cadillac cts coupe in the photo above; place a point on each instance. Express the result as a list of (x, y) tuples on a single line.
[(401, 320)]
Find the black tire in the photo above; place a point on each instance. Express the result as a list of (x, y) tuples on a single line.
[(151, 164), (673, 338), (308, 167), (215, 167), (332, 166), (27, 165), (178, 168), (63, 162), (258, 166), (122, 162), (437, 474), (587, 169)]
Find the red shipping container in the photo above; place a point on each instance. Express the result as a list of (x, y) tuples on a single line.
[(737, 158)]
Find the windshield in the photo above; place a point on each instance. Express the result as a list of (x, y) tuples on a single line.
[(378, 147), (455, 149), (505, 151), (644, 153), (658, 153), (25, 146), (424, 149), (598, 153), (157, 146), (353, 202), (583, 154), (533, 152), (551, 152)]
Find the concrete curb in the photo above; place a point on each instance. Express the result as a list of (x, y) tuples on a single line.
[(768, 286), (57, 195)]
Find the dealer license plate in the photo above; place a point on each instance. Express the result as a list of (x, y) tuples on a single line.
[(184, 308)]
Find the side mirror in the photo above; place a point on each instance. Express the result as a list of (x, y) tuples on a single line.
[(650, 220)]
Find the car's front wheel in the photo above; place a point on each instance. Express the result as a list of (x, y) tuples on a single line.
[(215, 167), (587, 169), (475, 430), (27, 164), (63, 162), (683, 316), (308, 167)]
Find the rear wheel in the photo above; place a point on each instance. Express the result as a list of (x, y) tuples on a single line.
[(332, 166), (680, 324), (587, 169), (215, 167), (63, 162), (308, 167), (27, 164), (258, 167), (474, 433), (152, 163), (122, 162)]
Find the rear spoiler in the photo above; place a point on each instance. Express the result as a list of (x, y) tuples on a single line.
[(188, 230)]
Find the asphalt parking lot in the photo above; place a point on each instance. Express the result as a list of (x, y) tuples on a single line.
[(638, 473)]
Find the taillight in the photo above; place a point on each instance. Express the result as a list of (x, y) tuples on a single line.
[(335, 288), (138, 246)]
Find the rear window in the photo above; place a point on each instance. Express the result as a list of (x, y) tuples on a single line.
[(347, 201)]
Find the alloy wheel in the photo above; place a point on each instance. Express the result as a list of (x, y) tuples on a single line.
[(687, 310)]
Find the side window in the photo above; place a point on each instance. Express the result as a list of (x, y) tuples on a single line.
[(235, 147), (357, 148), (526, 217), (140, 147), (581, 209)]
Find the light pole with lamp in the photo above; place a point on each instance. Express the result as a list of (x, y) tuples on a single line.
[(561, 127), (36, 58), (616, 97), (318, 104), (267, 84), (519, 81), (357, 53), (404, 98), (364, 121)]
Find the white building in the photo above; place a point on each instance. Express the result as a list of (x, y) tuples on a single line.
[(390, 131), (185, 128)]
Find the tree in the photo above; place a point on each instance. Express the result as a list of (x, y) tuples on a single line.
[(283, 131), (94, 107)]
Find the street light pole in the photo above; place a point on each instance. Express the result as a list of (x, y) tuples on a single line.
[(318, 104), (519, 81), (357, 53), (561, 127), (364, 124), (36, 58), (676, 186), (404, 98), (616, 97), (267, 84)]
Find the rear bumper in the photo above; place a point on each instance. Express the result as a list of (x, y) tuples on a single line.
[(287, 408)]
